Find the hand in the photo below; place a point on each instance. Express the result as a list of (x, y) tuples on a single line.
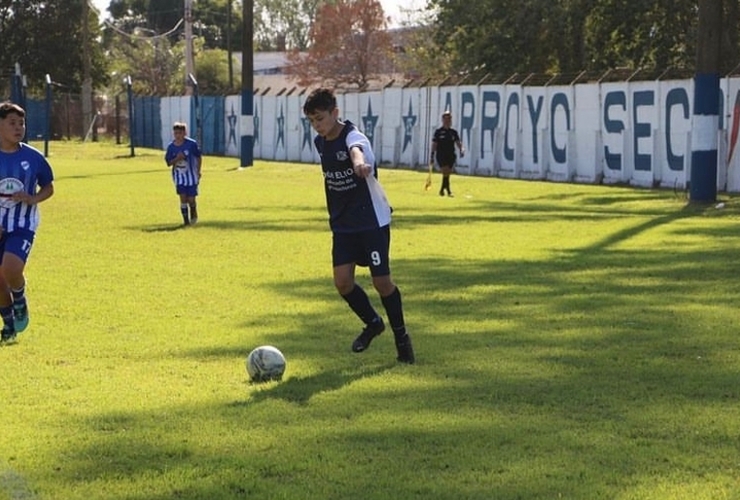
[(462, 153), (363, 170), (22, 197)]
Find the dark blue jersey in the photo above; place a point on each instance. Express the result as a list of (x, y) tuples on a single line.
[(355, 204), (23, 170)]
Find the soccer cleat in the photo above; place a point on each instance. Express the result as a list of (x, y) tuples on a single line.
[(193, 221), (405, 351), (370, 331), (20, 316), (8, 335)]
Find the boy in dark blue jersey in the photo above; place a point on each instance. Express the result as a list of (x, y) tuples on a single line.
[(359, 218), (26, 179)]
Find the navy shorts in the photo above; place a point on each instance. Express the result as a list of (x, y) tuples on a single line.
[(187, 190), (366, 249), (18, 242)]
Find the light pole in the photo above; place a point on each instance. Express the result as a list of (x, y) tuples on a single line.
[(247, 118)]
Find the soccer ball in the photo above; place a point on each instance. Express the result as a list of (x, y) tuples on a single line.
[(265, 363)]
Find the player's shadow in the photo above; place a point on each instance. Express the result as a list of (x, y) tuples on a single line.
[(163, 228), (300, 390)]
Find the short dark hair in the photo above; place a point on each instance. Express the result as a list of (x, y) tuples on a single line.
[(321, 99), (179, 126), (8, 107)]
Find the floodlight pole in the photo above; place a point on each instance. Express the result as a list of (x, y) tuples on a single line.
[(131, 122), (246, 125), (47, 128), (192, 82), (705, 121)]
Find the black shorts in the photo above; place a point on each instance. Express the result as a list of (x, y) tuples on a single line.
[(366, 249)]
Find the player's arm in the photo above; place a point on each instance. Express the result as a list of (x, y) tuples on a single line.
[(359, 165), (42, 194)]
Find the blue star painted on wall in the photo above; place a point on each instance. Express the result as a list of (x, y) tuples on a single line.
[(232, 117), (369, 122), (280, 128), (409, 121), (306, 124)]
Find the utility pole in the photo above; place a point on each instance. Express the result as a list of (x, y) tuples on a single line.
[(87, 113), (189, 65), (705, 121), (228, 45), (247, 119)]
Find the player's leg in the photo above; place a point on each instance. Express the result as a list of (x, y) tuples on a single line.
[(6, 311), (183, 204), (390, 295), (345, 250), (192, 203), (16, 249)]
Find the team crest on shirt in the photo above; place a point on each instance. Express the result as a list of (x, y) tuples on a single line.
[(342, 156), (8, 187), (25, 165)]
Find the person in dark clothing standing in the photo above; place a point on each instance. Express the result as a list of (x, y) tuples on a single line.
[(443, 147), (359, 218)]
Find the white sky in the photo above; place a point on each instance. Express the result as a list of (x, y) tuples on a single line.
[(392, 8)]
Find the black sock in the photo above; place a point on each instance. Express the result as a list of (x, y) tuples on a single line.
[(7, 314), (394, 309), (359, 302), (184, 212)]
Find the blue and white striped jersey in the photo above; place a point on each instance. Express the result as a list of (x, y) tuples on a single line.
[(185, 172), (355, 204), (23, 170)]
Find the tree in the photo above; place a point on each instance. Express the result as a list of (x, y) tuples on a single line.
[(155, 65), (556, 36), (166, 17), (281, 24), (45, 37), (349, 45)]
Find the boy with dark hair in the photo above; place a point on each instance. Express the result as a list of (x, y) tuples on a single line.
[(359, 218), (26, 179)]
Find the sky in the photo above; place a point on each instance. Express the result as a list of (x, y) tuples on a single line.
[(392, 8)]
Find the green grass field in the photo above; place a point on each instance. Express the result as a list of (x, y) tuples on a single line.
[(572, 341)]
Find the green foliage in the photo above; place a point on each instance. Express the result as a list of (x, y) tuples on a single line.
[(45, 37), (558, 36), (573, 341), (212, 68), (155, 65), (286, 20)]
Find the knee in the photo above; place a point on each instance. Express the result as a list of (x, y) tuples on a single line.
[(344, 287), (384, 287)]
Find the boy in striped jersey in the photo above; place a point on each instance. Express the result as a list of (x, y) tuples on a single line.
[(359, 218), (183, 155), (26, 179)]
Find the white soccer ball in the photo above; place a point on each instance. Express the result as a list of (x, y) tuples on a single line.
[(265, 363)]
